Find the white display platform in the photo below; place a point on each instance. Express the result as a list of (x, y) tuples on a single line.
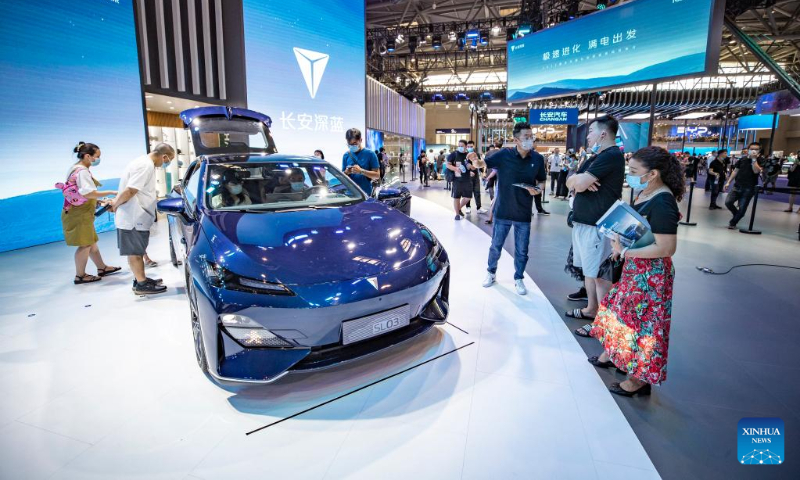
[(101, 384)]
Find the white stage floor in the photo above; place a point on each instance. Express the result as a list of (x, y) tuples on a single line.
[(99, 384)]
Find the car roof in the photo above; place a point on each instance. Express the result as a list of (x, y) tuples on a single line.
[(245, 158)]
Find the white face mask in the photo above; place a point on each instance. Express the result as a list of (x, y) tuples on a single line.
[(461, 149), (526, 144), (235, 189)]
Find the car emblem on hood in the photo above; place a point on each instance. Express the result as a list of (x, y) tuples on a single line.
[(374, 282), (312, 66)]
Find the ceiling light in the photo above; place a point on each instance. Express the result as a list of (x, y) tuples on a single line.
[(437, 41), (637, 116), (496, 116), (169, 102), (148, 109), (172, 108), (459, 105), (496, 30), (390, 45), (148, 96), (694, 115), (446, 105), (496, 100)]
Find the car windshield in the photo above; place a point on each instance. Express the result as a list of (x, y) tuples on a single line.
[(273, 186)]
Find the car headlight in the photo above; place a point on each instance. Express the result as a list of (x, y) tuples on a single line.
[(220, 277), (249, 333)]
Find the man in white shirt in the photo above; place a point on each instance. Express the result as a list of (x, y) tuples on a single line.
[(135, 209), (555, 167)]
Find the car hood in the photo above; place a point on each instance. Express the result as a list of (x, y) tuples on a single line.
[(316, 246)]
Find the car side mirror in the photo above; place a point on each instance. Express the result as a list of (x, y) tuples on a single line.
[(173, 206)]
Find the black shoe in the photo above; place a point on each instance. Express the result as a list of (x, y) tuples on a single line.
[(148, 288), (544, 212), (578, 296), (617, 389), (157, 281)]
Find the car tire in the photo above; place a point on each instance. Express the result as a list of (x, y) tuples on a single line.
[(172, 256), (197, 332)]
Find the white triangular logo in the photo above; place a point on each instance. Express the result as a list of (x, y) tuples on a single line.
[(312, 66), (374, 282)]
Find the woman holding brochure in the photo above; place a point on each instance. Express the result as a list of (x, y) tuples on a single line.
[(634, 318)]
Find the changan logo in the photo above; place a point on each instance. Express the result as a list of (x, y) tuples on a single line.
[(312, 66)]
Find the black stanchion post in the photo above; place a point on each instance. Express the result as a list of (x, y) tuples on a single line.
[(688, 221), (749, 229), (631, 202), (544, 193)]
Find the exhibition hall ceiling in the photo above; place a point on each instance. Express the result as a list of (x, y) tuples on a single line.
[(426, 67)]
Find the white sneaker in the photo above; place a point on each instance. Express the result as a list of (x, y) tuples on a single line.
[(483, 211), (520, 286), (490, 278), (469, 210)]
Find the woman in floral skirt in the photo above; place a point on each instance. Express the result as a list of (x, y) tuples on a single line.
[(634, 318)]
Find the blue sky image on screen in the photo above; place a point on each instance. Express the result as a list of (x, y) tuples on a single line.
[(277, 87), (634, 42), (70, 72)]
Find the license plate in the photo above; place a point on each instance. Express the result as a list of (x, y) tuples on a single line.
[(374, 325)]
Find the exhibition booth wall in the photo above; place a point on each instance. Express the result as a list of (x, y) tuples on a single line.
[(70, 74)]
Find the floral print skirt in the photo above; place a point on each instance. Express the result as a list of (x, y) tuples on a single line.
[(634, 318)]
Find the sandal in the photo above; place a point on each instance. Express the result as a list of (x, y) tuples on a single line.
[(617, 389), (108, 271), (86, 278), (584, 331), (578, 314), (488, 222), (151, 263), (595, 360)]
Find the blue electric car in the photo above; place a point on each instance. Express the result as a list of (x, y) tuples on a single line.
[(289, 266)]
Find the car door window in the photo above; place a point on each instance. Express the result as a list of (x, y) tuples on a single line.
[(191, 189)]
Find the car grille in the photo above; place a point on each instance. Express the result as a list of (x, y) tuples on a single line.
[(328, 355)]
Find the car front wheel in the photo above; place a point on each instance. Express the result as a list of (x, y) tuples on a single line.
[(197, 332)]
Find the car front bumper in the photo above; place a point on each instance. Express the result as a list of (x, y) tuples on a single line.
[(316, 333)]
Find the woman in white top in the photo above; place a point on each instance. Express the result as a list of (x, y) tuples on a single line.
[(78, 221)]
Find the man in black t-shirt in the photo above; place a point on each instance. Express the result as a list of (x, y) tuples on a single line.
[(519, 170), (746, 175), (461, 167), (597, 186), (716, 177)]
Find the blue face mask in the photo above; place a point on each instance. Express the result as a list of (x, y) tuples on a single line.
[(595, 148), (636, 182), (235, 189), (95, 162), (353, 148), (298, 186), (470, 149), (460, 149)]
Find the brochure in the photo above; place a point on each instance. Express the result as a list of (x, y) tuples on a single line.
[(633, 230)]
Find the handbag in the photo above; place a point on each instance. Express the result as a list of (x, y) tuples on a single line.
[(610, 269), (569, 218)]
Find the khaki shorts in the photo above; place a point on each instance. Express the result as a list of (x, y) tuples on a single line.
[(590, 248)]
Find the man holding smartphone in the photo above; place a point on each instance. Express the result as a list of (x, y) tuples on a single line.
[(519, 170), (360, 164)]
